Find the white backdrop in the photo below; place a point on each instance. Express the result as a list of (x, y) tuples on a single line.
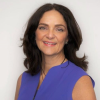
[(13, 18)]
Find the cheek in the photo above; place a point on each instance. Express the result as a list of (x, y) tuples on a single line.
[(39, 35), (62, 39), (39, 39)]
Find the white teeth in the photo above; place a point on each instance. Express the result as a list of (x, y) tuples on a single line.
[(49, 43)]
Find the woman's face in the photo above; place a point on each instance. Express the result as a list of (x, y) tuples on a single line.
[(51, 33)]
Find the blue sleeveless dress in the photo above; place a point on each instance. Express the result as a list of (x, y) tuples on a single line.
[(57, 85)]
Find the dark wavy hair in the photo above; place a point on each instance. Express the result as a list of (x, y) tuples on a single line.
[(33, 58)]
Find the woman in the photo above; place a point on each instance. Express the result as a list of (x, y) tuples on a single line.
[(54, 72)]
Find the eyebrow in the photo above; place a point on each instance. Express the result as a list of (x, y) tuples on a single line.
[(55, 25)]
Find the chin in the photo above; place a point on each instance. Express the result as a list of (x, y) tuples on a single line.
[(49, 53)]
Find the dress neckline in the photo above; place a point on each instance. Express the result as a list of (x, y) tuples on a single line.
[(63, 65), (54, 70)]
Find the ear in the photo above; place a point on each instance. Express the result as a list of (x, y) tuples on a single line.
[(66, 41)]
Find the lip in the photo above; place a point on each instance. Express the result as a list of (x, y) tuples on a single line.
[(49, 44)]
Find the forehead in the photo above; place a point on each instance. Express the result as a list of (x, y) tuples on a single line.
[(52, 17)]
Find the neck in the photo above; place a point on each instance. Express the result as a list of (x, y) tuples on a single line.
[(49, 61)]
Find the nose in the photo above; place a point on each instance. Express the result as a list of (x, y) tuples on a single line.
[(50, 34)]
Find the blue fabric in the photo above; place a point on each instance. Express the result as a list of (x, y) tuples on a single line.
[(57, 85)]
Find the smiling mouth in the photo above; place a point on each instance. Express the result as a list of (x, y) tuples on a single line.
[(49, 43)]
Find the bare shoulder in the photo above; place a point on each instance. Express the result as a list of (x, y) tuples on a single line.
[(18, 86), (83, 89)]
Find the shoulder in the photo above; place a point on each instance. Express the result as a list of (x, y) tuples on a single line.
[(77, 72), (20, 81), (82, 84), (18, 86), (23, 79), (83, 89)]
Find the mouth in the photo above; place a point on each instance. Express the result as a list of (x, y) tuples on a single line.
[(49, 43)]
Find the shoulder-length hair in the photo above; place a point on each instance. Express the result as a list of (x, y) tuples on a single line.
[(33, 58)]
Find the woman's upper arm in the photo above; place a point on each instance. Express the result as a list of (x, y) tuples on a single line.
[(83, 89), (18, 86)]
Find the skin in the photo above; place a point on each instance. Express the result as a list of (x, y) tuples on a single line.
[(52, 28), (51, 36), (18, 86), (83, 89)]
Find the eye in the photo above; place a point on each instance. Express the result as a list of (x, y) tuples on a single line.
[(42, 28), (60, 29)]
